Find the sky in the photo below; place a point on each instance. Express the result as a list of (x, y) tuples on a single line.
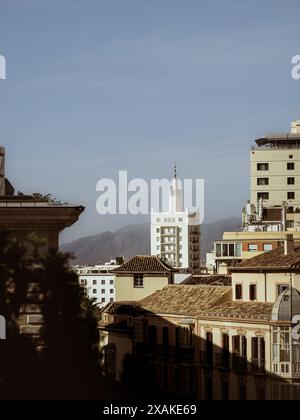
[(98, 86)]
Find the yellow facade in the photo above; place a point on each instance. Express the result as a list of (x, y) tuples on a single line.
[(277, 175), (267, 284), (125, 290)]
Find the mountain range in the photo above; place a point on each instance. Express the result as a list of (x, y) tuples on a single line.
[(134, 240)]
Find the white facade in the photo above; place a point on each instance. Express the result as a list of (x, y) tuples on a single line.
[(175, 235), (98, 281)]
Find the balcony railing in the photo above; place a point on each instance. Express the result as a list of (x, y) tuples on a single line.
[(186, 354), (239, 364), (222, 360), (206, 359), (258, 366)]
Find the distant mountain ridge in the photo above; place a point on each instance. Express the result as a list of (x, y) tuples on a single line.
[(134, 240)]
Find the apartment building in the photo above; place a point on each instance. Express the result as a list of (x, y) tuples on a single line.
[(217, 342), (98, 282), (175, 235), (275, 173), (274, 206)]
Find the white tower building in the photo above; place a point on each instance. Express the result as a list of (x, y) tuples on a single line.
[(175, 235)]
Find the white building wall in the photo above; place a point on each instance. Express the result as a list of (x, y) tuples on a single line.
[(99, 283), (180, 222)]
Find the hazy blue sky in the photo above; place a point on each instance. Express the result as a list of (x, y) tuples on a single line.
[(94, 86)]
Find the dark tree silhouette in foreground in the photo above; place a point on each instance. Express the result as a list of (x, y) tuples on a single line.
[(70, 332), (64, 362), (19, 361)]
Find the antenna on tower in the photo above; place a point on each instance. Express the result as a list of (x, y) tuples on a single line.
[(175, 171)]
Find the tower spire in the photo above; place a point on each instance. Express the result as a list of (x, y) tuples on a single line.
[(175, 171)]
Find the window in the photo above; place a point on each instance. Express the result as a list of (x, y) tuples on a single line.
[(291, 196), (262, 181), (252, 248), (252, 292), (158, 230), (103, 282), (290, 166), (138, 280), (224, 390), (111, 300), (165, 339), (290, 224), (238, 292), (102, 300), (152, 335), (291, 181), (209, 349), (183, 337), (263, 196), (111, 282), (262, 166), (103, 291), (239, 350), (111, 291), (94, 282), (83, 282), (94, 291), (225, 351), (282, 347), (291, 157), (268, 247), (280, 288), (258, 352)]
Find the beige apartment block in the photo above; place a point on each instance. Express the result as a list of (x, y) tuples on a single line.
[(275, 172)]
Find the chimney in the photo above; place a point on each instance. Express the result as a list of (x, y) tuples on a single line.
[(295, 127), (288, 244), (283, 216)]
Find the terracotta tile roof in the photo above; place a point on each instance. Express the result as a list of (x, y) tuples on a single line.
[(119, 326), (144, 264), (123, 308), (213, 280), (240, 310), (271, 260), (185, 299)]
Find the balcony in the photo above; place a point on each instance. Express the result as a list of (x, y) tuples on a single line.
[(206, 359), (184, 354), (239, 364), (222, 360), (258, 366)]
